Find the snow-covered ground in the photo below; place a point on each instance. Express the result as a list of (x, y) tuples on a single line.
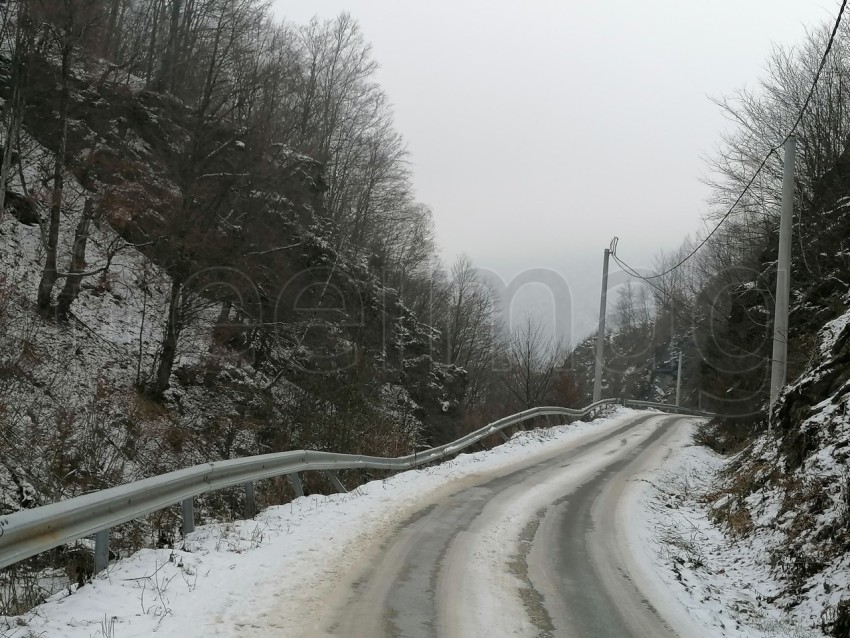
[(276, 572), (692, 568)]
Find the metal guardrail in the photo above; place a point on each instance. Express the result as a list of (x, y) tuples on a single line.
[(29, 532), (666, 407)]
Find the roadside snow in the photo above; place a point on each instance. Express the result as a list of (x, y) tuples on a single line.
[(691, 567), (273, 573)]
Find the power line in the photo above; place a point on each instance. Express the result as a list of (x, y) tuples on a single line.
[(766, 157), (666, 293), (634, 273), (817, 74), (673, 298)]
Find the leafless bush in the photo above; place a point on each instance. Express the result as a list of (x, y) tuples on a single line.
[(20, 590), (682, 545), (156, 583)]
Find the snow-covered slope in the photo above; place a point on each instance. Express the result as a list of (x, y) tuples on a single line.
[(788, 495), (76, 408)]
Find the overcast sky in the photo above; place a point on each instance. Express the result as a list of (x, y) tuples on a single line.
[(539, 129)]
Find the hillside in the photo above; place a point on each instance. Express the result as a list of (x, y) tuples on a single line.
[(787, 493), (206, 306)]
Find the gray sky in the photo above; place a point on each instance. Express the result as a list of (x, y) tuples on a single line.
[(539, 129)]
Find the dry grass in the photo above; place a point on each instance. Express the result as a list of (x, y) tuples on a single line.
[(727, 503)]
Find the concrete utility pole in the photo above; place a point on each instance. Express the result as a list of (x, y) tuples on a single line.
[(600, 338), (783, 278), (679, 382)]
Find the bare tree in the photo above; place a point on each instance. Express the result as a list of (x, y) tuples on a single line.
[(763, 116), (17, 36), (67, 24), (533, 363)]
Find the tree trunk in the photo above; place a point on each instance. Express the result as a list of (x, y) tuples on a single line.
[(169, 60), (152, 43), (142, 327), (110, 38), (49, 275), (173, 327), (222, 331), (15, 111), (78, 263), (12, 126)]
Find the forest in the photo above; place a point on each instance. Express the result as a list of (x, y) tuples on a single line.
[(211, 248)]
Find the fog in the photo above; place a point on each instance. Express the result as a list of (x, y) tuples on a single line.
[(539, 130)]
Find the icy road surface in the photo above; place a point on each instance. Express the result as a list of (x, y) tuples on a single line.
[(538, 551)]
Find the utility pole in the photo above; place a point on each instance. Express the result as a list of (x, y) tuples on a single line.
[(679, 382), (779, 360), (600, 337)]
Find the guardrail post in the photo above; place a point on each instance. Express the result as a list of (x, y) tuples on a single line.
[(505, 437), (101, 551), (188, 516), (250, 500), (336, 482), (295, 481)]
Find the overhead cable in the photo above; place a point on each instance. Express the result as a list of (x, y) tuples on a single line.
[(763, 163)]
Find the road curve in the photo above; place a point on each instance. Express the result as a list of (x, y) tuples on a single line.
[(535, 552)]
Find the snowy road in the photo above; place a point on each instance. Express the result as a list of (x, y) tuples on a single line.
[(538, 551)]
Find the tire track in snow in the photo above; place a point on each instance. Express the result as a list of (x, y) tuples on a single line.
[(419, 583)]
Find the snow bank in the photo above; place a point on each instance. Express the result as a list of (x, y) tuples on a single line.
[(692, 567)]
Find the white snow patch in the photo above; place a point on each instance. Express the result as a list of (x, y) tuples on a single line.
[(694, 571), (831, 331)]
